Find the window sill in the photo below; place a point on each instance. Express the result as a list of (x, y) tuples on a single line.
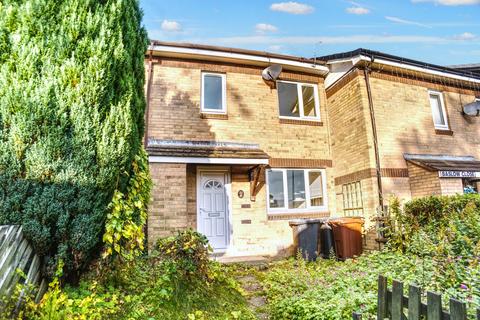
[(445, 132), (297, 215), (217, 116), (301, 122)]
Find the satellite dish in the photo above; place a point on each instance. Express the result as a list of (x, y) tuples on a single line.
[(272, 72), (472, 109)]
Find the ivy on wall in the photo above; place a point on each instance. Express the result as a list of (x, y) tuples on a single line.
[(124, 236)]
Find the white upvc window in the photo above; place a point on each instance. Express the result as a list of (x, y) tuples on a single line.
[(298, 100), (296, 190), (213, 95), (438, 110)]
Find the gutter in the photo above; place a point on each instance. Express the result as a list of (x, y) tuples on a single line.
[(266, 59)]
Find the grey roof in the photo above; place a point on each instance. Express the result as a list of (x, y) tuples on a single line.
[(444, 162), (472, 67), (377, 54)]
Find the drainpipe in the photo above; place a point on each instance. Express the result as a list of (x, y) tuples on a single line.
[(147, 94), (147, 116), (366, 72)]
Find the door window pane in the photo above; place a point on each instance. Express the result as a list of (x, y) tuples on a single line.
[(316, 188), (276, 195), (212, 98), (296, 189), (438, 116), (308, 95), (288, 99)]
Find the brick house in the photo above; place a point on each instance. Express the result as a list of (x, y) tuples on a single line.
[(397, 128), (237, 157), (216, 132)]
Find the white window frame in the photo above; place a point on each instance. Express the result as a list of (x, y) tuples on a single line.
[(444, 111), (300, 101), (224, 93), (308, 208)]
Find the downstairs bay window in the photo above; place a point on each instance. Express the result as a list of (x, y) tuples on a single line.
[(296, 190)]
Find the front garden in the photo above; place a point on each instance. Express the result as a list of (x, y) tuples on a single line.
[(434, 242)]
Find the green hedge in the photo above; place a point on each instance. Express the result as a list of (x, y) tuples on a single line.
[(71, 118)]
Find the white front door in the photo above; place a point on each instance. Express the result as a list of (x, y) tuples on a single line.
[(212, 213)]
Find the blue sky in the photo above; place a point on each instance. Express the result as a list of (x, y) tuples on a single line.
[(444, 32)]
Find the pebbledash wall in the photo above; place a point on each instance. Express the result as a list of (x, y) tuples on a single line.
[(403, 120), (252, 117)]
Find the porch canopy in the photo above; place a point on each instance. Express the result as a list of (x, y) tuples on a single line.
[(205, 152), (244, 157), (447, 166)]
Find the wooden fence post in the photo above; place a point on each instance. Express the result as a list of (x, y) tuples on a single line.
[(382, 298), (414, 303), (458, 310), (397, 300), (434, 306)]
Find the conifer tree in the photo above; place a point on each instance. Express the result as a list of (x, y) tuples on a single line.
[(71, 119)]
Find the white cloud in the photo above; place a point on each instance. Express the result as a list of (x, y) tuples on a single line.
[(171, 26), (451, 2), (265, 27), (292, 7), (465, 36), (357, 10), (409, 22)]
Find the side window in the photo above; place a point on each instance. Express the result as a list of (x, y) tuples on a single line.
[(213, 95), (298, 100), (438, 110), (352, 199)]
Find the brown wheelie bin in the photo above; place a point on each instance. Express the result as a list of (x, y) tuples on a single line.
[(347, 234)]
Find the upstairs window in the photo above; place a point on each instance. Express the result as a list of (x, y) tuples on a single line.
[(296, 190), (213, 99), (438, 110), (298, 100)]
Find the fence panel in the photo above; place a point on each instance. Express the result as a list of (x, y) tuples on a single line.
[(391, 304), (16, 253)]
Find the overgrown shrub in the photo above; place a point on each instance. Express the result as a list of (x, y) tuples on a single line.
[(155, 287), (189, 250), (440, 226), (71, 119)]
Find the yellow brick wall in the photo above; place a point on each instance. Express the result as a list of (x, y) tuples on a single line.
[(352, 141), (252, 109), (168, 207), (350, 128), (451, 186), (423, 182), (404, 123)]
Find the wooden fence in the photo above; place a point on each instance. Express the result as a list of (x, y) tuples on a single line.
[(391, 304), (17, 254)]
